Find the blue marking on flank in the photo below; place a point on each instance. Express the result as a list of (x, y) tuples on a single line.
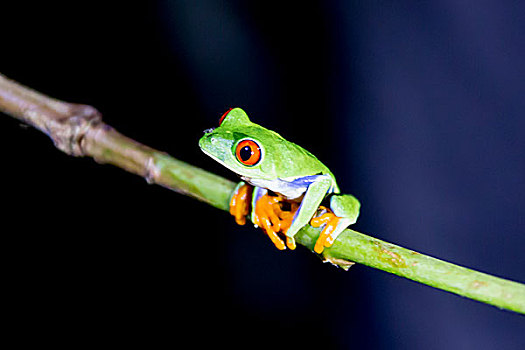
[(302, 182)]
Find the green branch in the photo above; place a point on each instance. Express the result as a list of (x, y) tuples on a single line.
[(78, 130)]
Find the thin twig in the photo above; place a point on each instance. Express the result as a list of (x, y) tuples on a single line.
[(78, 130)]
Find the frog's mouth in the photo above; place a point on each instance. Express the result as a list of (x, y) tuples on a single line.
[(218, 160), (212, 156)]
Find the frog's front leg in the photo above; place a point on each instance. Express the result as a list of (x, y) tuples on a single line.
[(343, 212), (266, 212), (240, 202), (264, 215), (269, 214)]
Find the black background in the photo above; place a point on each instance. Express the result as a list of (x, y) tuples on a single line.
[(418, 109)]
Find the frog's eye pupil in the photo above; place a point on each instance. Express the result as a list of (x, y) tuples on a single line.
[(245, 153), (248, 152)]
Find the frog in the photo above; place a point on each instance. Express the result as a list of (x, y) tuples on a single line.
[(283, 187)]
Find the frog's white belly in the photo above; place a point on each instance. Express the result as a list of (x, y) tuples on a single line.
[(290, 188)]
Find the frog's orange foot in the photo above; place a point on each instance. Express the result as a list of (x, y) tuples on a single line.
[(240, 203), (326, 239), (273, 219), (272, 213)]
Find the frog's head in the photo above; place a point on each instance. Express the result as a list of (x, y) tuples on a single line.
[(244, 147)]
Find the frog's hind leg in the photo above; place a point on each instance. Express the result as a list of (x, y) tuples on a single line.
[(315, 193), (343, 212)]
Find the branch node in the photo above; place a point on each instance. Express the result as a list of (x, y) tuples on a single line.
[(152, 172), (69, 130)]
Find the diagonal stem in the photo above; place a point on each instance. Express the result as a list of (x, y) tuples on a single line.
[(78, 130)]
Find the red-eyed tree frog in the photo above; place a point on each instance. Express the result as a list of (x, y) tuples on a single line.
[(283, 185)]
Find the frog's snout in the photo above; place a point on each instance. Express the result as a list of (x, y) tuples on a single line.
[(203, 141)]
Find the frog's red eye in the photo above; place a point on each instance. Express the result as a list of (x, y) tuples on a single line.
[(248, 152), (224, 116)]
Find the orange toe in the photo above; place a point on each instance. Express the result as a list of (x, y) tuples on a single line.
[(290, 243)]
